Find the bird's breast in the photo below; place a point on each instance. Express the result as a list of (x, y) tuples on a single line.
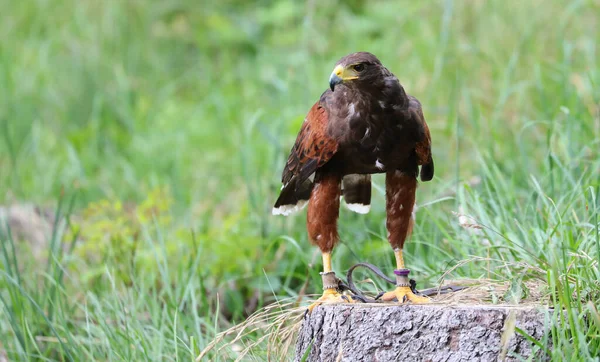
[(375, 134)]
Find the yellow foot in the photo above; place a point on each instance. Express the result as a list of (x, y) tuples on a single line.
[(330, 296), (404, 295)]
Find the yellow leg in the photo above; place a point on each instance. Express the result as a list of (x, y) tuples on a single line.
[(326, 262), (403, 293), (330, 295), (399, 258)]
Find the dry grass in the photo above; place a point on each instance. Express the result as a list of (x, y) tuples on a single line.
[(278, 324), (487, 291), (492, 290)]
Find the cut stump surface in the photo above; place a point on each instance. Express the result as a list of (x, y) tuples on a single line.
[(366, 332)]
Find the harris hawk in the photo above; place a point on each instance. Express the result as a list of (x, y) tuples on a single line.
[(364, 124)]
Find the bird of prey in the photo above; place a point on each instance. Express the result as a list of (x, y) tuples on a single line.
[(364, 124)]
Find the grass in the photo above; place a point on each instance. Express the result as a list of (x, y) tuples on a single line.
[(162, 128)]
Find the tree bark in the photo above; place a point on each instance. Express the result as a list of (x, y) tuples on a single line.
[(367, 332)]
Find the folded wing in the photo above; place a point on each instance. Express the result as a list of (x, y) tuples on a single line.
[(313, 149), (423, 148)]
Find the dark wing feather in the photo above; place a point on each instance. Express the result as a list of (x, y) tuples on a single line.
[(313, 147), (423, 148)]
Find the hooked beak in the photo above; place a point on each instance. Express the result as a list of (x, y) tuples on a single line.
[(341, 74), (335, 79)]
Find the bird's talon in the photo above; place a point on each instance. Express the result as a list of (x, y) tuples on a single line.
[(330, 296), (404, 295)]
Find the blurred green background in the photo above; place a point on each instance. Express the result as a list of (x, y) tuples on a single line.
[(160, 128)]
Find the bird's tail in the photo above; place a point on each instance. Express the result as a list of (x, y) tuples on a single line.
[(293, 197), (357, 192)]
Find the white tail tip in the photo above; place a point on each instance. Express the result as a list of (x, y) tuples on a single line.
[(359, 208), (286, 210)]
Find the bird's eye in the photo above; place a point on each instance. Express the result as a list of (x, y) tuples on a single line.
[(359, 67)]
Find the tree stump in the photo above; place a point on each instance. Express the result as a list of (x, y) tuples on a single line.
[(369, 332)]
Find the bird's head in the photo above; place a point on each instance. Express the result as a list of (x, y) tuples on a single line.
[(356, 68)]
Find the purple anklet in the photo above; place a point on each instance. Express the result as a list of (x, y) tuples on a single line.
[(402, 277), (402, 272)]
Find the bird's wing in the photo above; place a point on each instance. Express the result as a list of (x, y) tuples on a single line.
[(423, 148), (313, 147)]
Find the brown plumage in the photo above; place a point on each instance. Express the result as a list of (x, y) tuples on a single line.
[(364, 124), (323, 211), (399, 202)]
